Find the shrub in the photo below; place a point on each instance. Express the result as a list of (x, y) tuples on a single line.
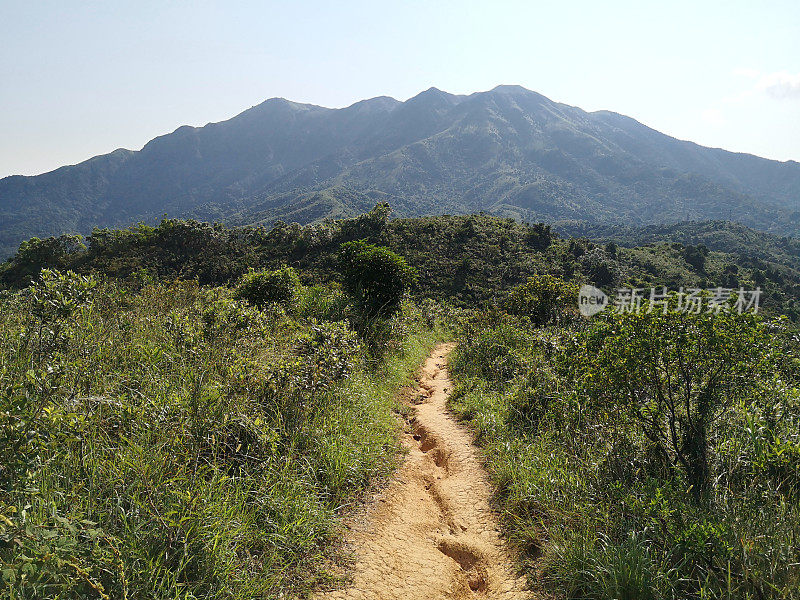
[(676, 372), (544, 299), (226, 315), (375, 277), (496, 355), (600, 268), (328, 352), (260, 288)]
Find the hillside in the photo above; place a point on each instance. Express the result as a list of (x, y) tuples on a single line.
[(198, 411), (724, 236), (465, 260), (508, 151)]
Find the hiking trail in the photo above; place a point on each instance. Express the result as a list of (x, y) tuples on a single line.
[(431, 533)]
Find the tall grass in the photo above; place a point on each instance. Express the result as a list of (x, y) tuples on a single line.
[(177, 443)]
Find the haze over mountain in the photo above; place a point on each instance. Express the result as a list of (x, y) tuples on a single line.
[(508, 151)]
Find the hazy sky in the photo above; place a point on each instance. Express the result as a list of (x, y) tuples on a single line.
[(79, 79)]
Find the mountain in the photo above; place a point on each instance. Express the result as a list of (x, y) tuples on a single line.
[(508, 151)]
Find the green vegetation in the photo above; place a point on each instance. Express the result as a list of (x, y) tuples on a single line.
[(260, 288), (462, 260), (187, 410), (650, 455), (376, 278), (177, 442), (544, 299)]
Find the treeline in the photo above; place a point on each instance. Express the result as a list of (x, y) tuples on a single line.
[(466, 260)]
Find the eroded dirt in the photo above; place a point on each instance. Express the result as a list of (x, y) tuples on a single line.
[(431, 533)]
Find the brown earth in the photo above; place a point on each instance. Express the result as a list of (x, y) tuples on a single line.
[(431, 533)]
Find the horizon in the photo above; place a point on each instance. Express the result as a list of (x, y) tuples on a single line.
[(83, 79)]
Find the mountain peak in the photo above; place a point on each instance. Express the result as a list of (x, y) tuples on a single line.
[(511, 89), (377, 103), (434, 95)]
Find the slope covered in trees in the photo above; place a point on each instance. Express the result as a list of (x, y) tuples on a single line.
[(465, 260)]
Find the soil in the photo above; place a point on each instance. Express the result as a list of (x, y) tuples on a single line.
[(431, 533)]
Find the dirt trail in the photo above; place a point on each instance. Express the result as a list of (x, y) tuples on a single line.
[(431, 533)]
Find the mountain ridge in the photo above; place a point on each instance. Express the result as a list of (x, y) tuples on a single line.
[(508, 151)]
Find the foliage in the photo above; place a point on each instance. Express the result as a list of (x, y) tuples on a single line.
[(177, 442), (260, 288), (377, 278), (462, 260), (543, 299), (649, 455), (160, 437), (676, 372), (696, 256)]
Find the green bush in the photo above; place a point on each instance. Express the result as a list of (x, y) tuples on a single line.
[(376, 278), (675, 372), (544, 299), (260, 288)]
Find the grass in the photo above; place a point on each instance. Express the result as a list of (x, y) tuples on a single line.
[(596, 507), (176, 443)]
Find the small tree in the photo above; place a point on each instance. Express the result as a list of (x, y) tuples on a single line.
[(544, 299), (35, 254), (260, 288), (375, 277), (539, 236), (675, 373), (696, 256)]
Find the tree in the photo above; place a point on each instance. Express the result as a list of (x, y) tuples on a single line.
[(675, 373), (375, 277), (696, 256), (538, 236), (35, 254)]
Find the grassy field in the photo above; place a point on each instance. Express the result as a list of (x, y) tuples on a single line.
[(175, 442)]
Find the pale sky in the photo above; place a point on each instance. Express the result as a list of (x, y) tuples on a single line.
[(78, 79)]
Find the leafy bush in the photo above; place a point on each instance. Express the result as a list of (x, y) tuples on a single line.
[(329, 352), (260, 288), (544, 299), (675, 372), (375, 277), (464, 260)]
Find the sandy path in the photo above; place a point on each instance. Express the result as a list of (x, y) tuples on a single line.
[(431, 534)]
